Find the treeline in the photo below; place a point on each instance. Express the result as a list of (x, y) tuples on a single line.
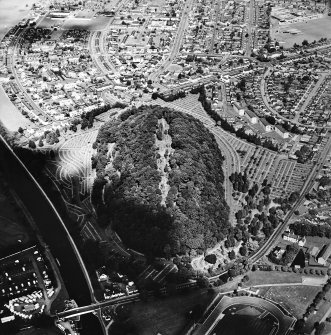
[(170, 97), (318, 326), (308, 229), (206, 103), (126, 191), (240, 182), (87, 119), (252, 138)]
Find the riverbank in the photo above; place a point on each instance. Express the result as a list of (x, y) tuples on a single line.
[(12, 12), (53, 231)]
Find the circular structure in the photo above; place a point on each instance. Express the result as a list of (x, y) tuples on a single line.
[(244, 315)]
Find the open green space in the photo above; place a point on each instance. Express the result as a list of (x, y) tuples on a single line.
[(321, 309), (295, 299), (317, 241), (169, 315), (10, 116), (272, 277), (98, 23), (309, 30), (244, 322)]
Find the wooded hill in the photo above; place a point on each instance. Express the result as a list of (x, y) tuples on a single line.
[(126, 191)]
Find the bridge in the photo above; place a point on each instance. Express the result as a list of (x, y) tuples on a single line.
[(77, 311)]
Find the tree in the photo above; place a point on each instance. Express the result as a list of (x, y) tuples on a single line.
[(298, 327), (154, 95), (41, 143), (245, 278), (232, 255), (32, 144), (211, 258), (319, 328), (324, 181), (20, 130), (202, 282), (243, 250), (305, 43), (294, 196), (84, 123)]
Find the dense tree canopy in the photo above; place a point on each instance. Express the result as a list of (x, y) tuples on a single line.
[(126, 191)]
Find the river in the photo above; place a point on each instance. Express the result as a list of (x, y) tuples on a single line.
[(53, 232)]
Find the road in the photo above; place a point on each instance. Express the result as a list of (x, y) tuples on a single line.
[(267, 105), (177, 43), (310, 96), (250, 26), (266, 248), (37, 111), (97, 306), (215, 30)]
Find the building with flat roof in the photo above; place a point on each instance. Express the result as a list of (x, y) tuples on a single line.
[(266, 125), (251, 116), (239, 108), (281, 131)]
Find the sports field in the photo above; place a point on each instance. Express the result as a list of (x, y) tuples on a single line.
[(309, 30), (244, 319), (294, 298), (272, 277)]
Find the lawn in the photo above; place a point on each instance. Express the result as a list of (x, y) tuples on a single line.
[(322, 308), (244, 324), (167, 316), (272, 277), (310, 30), (10, 116), (294, 298), (317, 241), (98, 23)]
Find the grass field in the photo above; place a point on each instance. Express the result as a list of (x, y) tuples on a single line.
[(310, 31), (244, 324), (317, 241), (294, 298), (167, 316), (272, 277), (99, 23), (322, 308), (10, 116)]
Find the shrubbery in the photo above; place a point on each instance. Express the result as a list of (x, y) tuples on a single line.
[(126, 193)]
